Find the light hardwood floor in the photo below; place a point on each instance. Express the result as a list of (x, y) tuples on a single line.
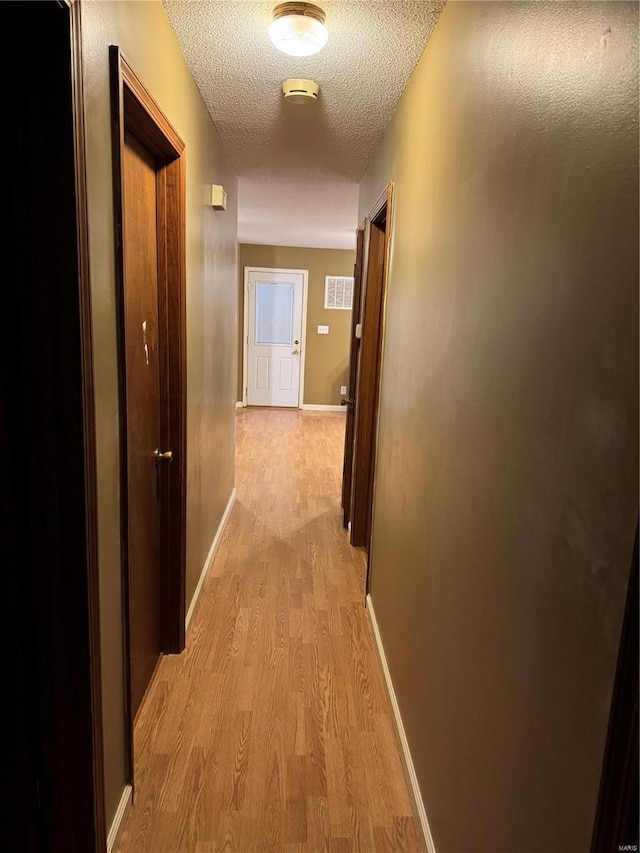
[(273, 731)]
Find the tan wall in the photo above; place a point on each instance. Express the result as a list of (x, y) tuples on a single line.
[(507, 487), (143, 32), (327, 356)]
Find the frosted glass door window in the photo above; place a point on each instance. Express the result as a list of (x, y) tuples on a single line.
[(274, 314)]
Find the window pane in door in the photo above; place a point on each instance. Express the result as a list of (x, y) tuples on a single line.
[(274, 314)]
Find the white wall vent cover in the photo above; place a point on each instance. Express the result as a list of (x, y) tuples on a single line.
[(338, 292)]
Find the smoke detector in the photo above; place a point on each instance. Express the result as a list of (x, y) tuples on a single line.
[(300, 91)]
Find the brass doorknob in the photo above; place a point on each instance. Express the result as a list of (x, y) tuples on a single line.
[(163, 455), (295, 352)]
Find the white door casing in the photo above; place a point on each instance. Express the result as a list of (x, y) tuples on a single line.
[(274, 339)]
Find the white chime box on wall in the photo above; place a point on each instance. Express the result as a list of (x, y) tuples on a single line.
[(218, 197)]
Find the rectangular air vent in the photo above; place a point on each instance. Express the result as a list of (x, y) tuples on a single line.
[(338, 292)]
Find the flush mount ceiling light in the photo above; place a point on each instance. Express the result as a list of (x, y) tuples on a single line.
[(298, 29)]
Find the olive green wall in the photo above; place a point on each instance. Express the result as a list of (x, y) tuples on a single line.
[(143, 32), (507, 481), (327, 356)]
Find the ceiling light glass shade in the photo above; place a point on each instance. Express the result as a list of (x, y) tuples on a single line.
[(298, 29)]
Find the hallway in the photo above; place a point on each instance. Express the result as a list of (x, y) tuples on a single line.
[(273, 731)]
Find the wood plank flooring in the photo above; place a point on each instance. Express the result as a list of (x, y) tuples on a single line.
[(272, 731)]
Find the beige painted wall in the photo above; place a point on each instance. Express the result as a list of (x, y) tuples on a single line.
[(143, 32), (507, 485), (327, 356)]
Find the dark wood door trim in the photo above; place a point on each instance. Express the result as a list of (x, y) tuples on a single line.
[(49, 471), (90, 454), (377, 227), (365, 385), (381, 216), (353, 375), (134, 107)]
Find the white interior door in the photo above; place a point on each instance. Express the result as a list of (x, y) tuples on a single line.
[(274, 347)]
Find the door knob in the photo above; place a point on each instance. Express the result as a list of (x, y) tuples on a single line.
[(350, 404), (295, 352), (163, 455)]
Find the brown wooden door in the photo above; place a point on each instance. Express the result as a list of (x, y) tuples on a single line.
[(143, 414), (353, 374), (369, 362), (367, 391)]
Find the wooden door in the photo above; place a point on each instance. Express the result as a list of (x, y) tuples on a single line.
[(143, 414), (149, 204), (353, 374), (275, 300), (369, 371)]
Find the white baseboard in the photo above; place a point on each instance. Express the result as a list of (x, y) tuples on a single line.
[(210, 557), (239, 405), (402, 737), (312, 407), (120, 818)]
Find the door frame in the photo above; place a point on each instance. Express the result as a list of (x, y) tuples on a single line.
[(347, 467), (90, 451), (369, 375), (134, 107), (49, 477), (616, 820), (245, 327)]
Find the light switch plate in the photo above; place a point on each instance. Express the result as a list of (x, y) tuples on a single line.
[(343, 389), (323, 330)]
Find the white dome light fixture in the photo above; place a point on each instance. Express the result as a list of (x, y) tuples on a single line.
[(298, 29)]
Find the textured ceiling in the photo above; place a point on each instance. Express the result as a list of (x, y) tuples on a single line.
[(299, 164)]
